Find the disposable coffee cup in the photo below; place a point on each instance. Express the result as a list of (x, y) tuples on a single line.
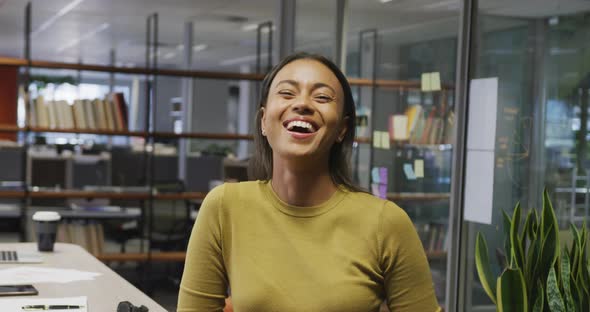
[(46, 228)]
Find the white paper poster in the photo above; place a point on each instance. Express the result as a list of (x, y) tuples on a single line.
[(481, 142)]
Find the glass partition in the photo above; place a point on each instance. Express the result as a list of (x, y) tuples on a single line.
[(538, 54)]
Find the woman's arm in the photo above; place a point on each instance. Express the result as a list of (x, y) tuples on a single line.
[(407, 278), (204, 280)]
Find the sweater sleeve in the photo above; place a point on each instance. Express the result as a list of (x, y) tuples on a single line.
[(407, 278), (204, 280)]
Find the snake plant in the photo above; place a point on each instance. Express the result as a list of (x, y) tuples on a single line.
[(537, 275)]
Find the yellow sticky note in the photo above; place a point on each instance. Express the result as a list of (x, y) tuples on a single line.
[(376, 139), (435, 81), (419, 168), (426, 82), (384, 139)]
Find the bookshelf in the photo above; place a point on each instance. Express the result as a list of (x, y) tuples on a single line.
[(151, 72), (69, 194)]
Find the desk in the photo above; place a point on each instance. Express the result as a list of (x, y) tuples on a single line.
[(104, 292)]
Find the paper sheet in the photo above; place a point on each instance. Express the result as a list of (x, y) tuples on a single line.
[(12, 304), (409, 172), (479, 186), (483, 107), (375, 177), (376, 139), (34, 275), (435, 81), (385, 140), (419, 168), (426, 82)]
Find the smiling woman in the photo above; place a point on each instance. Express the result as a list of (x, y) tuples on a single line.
[(304, 237)]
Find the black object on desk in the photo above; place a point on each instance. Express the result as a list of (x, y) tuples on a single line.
[(126, 306), (42, 307)]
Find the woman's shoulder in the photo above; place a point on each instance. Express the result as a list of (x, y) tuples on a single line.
[(386, 209), (233, 190)]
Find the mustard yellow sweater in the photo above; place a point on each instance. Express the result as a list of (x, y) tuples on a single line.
[(347, 254)]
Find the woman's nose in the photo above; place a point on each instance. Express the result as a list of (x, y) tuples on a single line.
[(303, 106)]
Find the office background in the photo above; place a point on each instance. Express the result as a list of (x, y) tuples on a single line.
[(189, 72)]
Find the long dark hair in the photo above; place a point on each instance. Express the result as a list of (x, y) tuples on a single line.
[(340, 153)]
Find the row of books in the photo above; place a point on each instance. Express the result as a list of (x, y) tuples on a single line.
[(107, 114), (88, 235), (422, 126), (434, 236)]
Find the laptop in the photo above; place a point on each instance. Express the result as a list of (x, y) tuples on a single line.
[(13, 256)]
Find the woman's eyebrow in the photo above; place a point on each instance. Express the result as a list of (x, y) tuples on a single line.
[(315, 86)]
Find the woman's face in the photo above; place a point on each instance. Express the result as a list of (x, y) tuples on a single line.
[(303, 113)]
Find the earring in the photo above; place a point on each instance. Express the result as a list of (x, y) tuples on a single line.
[(263, 132)]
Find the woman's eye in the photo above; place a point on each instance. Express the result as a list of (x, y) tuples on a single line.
[(324, 98), (286, 93)]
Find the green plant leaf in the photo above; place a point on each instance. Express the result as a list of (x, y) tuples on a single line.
[(577, 295), (511, 291), (583, 295), (482, 263), (554, 299), (548, 254), (507, 225), (565, 281), (525, 230), (534, 225), (550, 235), (576, 248), (540, 301), (532, 262), (517, 251)]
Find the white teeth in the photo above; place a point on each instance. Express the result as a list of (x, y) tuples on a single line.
[(300, 124)]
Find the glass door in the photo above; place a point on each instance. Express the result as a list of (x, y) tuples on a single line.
[(538, 54)]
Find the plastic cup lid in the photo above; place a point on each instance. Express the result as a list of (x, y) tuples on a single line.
[(46, 216)]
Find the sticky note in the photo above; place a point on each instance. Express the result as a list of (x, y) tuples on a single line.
[(383, 175), (409, 172), (419, 168), (426, 82), (384, 139), (435, 81), (383, 191), (375, 176), (375, 189), (376, 139)]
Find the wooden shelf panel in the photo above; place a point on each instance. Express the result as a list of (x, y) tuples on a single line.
[(12, 194), (404, 143), (110, 195), (211, 136), (88, 194), (171, 256), (90, 131), (436, 255), (180, 196), (394, 84), (9, 128), (418, 196), (131, 70)]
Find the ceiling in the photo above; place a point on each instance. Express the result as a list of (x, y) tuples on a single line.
[(87, 30)]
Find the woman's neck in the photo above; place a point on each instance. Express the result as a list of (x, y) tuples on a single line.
[(298, 185)]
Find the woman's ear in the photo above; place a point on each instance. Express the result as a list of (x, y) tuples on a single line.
[(343, 130), (262, 121)]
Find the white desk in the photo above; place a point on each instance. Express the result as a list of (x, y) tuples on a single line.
[(104, 292)]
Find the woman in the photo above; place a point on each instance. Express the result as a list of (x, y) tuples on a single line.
[(303, 237)]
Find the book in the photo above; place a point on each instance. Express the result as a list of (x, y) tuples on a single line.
[(413, 113), (121, 110), (398, 127), (89, 115), (100, 114), (79, 114)]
